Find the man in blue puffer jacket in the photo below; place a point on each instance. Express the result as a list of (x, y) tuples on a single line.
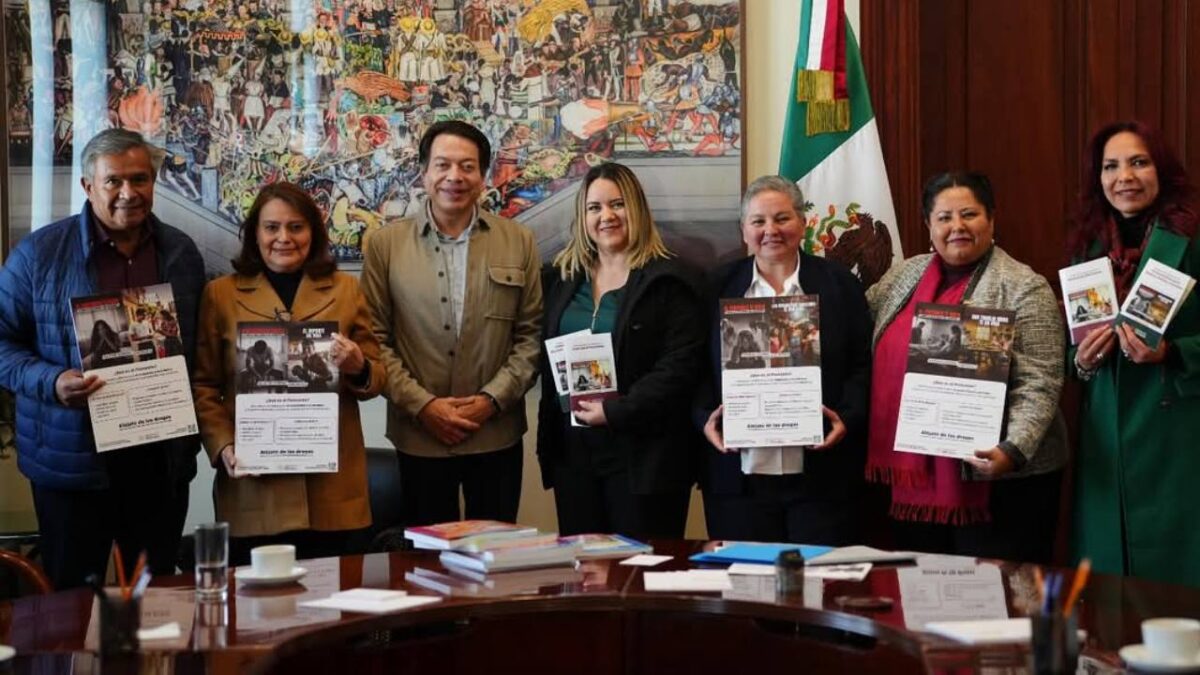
[(136, 496)]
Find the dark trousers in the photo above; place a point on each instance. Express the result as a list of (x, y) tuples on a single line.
[(1024, 518), (490, 482), (141, 510), (587, 502), (783, 509), (309, 544)]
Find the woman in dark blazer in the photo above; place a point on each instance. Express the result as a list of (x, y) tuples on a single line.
[(810, 495), (629, 469)]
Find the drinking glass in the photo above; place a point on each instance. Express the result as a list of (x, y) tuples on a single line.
[(212, 561)]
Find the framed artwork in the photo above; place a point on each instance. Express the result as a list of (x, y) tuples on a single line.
[(335, 94)]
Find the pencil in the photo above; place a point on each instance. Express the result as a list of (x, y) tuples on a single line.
[(1081, 577), (120, 567)]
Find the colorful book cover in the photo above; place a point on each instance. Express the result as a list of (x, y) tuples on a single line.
[(593, 546), (1089, 297), (455, 533), (1154, 300)]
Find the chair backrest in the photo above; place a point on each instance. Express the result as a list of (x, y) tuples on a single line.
[(25, 568)]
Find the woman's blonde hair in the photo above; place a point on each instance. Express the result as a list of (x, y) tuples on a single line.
[(645, 243)]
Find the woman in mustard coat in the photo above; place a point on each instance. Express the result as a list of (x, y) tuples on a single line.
[(285, 273)]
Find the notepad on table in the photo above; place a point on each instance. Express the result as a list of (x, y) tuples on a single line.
[(370, 601)]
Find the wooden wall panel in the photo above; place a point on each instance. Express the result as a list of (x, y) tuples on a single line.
[(1014, 88)]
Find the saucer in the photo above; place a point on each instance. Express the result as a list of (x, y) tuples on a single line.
[(249, 578), (6, 653), (1138, 656)]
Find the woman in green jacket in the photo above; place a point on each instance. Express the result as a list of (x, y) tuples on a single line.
[(1137, 496)]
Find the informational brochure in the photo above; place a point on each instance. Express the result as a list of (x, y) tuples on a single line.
[(556, 352), (1089, 296), (1154, 300), (952, 402), (131, 340), (287, 400), (771, 371), (591, 370)]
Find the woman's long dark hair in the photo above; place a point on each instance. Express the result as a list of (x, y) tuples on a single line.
[(1175, 208), (249, 261)]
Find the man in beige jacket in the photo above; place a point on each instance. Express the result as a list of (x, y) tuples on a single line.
[(456, 302)]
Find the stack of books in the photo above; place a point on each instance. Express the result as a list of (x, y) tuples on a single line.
[(465, 582), (493, 546)]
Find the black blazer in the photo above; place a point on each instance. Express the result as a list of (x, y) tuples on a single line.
[(658, 341), (845, 373)]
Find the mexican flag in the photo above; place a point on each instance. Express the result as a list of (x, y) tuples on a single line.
[(831, 148)]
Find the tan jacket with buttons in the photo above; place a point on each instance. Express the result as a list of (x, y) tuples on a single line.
[(498, 346), (271, 504)]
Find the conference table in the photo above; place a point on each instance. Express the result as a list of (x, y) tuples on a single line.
[(597, 618)]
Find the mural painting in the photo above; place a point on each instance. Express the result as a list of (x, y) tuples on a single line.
[(334, 94)]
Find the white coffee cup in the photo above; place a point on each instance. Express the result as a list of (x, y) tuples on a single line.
[(1172, 640), (272, 561)]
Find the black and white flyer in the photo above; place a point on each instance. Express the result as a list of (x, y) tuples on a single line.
[(952, 403), (131, 340), (771, 371), (287, 400)]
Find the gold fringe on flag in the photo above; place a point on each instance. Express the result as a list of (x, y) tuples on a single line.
[(827, 116), (814, 85)]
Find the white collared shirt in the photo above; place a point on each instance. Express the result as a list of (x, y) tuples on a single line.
[(779, 460)]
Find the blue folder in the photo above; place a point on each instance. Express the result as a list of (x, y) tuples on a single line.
[(763, 554)]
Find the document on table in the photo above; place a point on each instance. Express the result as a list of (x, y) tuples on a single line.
[(938, 591), (688, 580), (645, 560), (371, 601), (848, 572)]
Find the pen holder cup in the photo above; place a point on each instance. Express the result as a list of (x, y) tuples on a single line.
[(1055, 648), (120, 619)]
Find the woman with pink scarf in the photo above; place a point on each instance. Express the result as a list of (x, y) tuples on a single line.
[(1003, 501)]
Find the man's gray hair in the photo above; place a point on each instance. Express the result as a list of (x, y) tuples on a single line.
[(773, 184), (112, 142)]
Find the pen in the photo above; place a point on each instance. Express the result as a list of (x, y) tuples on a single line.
[(1081, 577), (137, 574), (1053, 587), (140, 585)]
